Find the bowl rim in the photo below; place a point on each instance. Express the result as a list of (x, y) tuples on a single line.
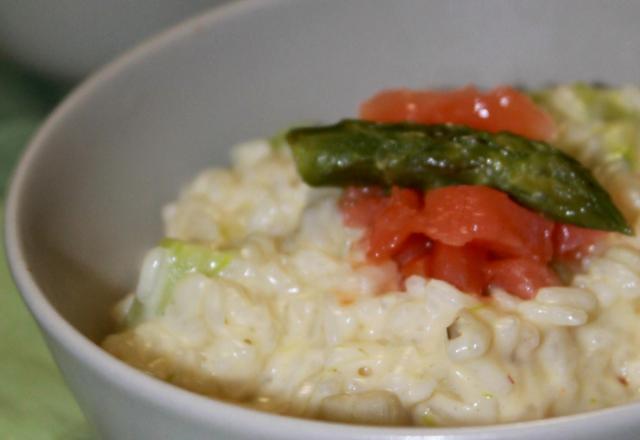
[(170, 398)]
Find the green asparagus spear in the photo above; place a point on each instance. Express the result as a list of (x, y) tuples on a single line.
[(537, 175)]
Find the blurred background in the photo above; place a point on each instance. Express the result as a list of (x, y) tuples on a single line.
[(46, 48)]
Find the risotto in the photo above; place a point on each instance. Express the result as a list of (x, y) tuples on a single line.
[(263, 294)]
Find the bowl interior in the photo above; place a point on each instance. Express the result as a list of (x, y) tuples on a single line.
[(91, 188)]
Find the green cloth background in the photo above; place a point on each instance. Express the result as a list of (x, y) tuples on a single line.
[(34, 401)]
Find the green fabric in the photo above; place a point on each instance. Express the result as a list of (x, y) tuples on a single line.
[(34, 401)]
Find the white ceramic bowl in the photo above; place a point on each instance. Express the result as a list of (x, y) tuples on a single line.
[(86, 197)]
